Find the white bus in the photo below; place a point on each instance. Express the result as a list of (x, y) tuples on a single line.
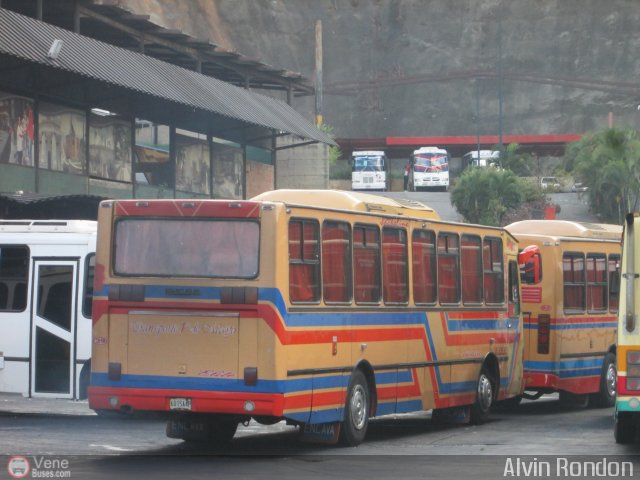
[(429, 169), (369, 170), (46, 288), (481, 158)]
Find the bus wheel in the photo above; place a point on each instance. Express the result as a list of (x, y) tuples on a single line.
[(624, 430), (356, 411), (606, 396), (484, 398)]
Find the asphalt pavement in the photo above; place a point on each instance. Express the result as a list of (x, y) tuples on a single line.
[(17, 404)]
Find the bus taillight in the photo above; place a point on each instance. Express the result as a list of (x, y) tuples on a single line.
[(633, 370), (544, 330)]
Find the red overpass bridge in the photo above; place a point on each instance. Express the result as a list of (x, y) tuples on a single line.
[(550, 144)]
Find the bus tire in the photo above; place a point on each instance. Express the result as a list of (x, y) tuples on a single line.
[(356, 411), (606, 396), (484, 398), (624, 429)]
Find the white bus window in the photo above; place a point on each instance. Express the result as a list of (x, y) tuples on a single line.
[(14, 273)]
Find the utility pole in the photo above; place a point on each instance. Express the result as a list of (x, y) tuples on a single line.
[(478, 117), (318, 72), (500, 79)]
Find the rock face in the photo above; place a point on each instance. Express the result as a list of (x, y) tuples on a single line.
[(418, 67)]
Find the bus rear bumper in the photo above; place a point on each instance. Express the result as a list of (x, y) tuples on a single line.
[(132, 400), (369, 186)]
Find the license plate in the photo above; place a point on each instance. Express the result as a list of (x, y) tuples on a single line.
[(179, 404)]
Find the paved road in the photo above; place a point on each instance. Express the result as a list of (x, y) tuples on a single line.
[(404, 446)]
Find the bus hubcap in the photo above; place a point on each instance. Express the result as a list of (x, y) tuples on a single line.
[(358, 407), (485, 393), (611, 380)]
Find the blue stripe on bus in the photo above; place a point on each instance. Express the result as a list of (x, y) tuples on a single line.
[(321, 416), (237, 385), (337, 414), (322, 319), (582, 367)]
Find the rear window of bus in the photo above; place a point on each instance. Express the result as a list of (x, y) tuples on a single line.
[(186, 248)]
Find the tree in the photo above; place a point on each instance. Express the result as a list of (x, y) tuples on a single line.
[(485, 195), (518, 163), (334, 152), (608, 163)]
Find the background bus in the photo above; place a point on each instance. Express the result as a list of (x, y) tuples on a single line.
[(370, 171), (569, 311), (429, 169), (481, 158), (46, 285), (324, 308), (627, 411)]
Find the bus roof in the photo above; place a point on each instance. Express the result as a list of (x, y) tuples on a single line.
[(48, 226), (429, 150), (565, 228), (367, 152), (344, 200), (483, 153)]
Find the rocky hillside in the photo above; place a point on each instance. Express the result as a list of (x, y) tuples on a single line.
[(418, 67)]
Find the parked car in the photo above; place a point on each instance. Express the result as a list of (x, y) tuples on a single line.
[(549, 182), (578, 187)]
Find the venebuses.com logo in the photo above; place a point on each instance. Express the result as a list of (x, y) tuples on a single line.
[(18, 467), (38, 467)]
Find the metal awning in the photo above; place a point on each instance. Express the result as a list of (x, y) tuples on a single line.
[(30, 40), (42, 206)]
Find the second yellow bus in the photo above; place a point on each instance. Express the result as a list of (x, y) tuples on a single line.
[(569, 309)]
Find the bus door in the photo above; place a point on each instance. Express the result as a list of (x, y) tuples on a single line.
[(53, 328)]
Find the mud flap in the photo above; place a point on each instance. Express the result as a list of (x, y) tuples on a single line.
[(188, 430), (328, 433), (452, 416)]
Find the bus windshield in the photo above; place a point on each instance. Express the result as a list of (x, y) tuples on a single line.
[(187, 248), (368, 164), (431, 162)]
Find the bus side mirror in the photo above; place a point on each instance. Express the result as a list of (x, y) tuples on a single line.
[(529, 261)]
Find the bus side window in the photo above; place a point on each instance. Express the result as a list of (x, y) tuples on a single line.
[(614, 282)]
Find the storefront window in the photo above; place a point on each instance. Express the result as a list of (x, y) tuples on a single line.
[(110, 147), (62, 138), (152, 154), (16, 130), (227, 169), (192, 162)]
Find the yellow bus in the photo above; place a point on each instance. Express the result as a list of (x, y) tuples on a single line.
[(627, 411), (322, 308), (569, 311)]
